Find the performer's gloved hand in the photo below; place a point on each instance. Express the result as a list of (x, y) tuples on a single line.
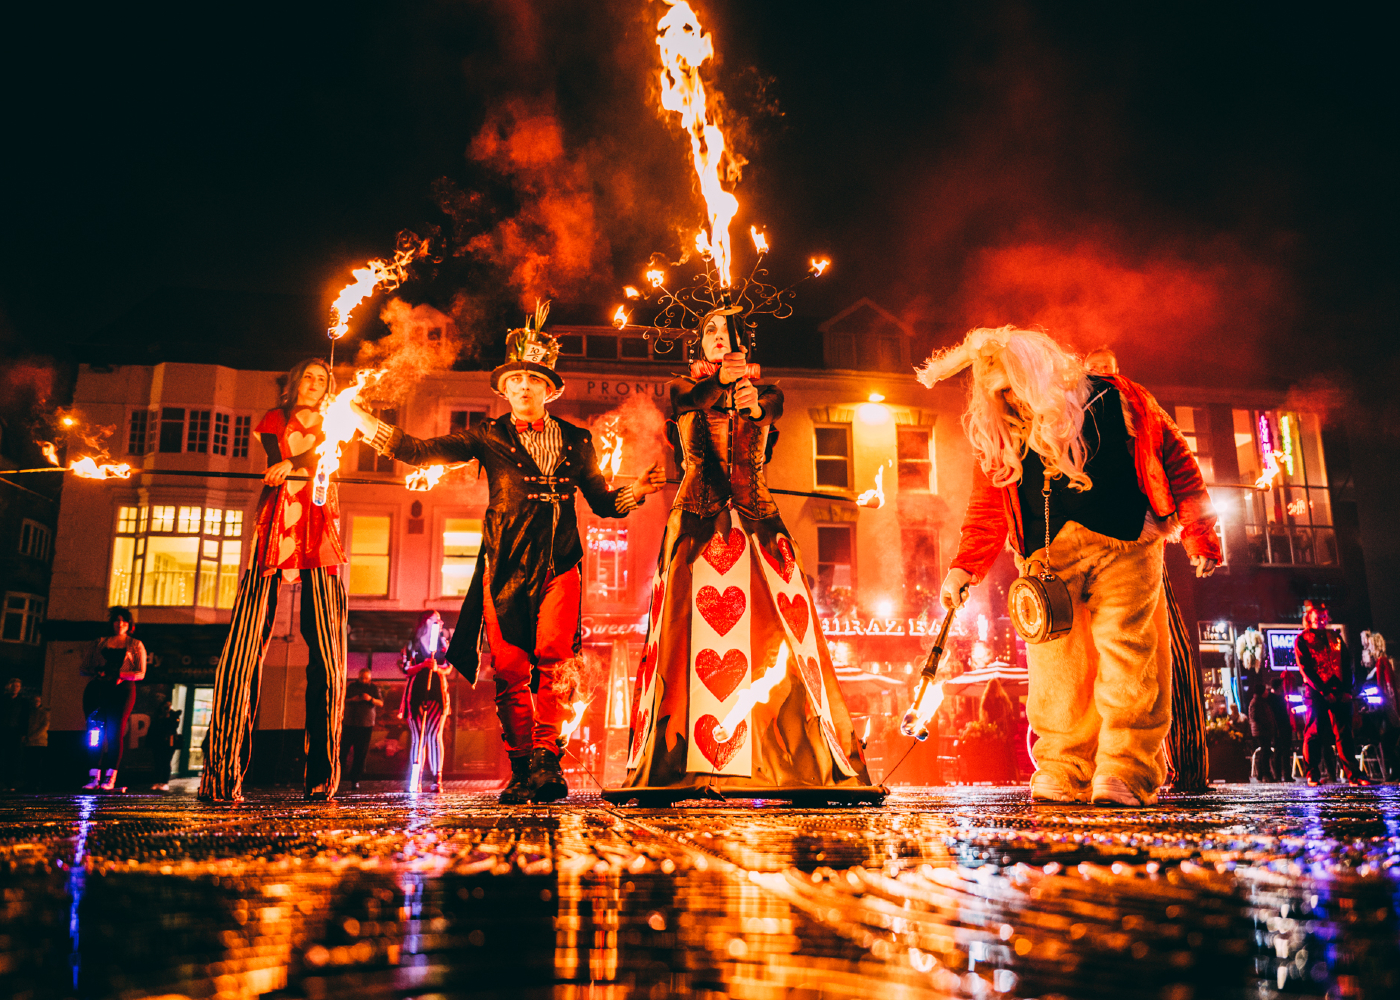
[(1203, 565), (276, 475), (732, 368), (953, 594), (746, 398), (650, 481)]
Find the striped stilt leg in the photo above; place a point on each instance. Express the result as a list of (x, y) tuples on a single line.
[(1188, 767), (432, 725), (323, 626), (236, 682)]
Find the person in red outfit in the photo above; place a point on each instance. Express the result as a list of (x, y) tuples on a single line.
[(1092, 464), (1325, 663)]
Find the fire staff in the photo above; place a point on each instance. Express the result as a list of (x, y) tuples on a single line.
[(294, 540), (530, 549), (1089, 476)]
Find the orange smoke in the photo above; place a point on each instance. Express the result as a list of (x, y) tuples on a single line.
[(421, 339)]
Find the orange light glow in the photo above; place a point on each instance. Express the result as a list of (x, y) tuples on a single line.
[(819, 266), (339, 425), (760, 240), (68, 421), (619, 318), (631, 292), (874, 498), (388, 274), (684, 49), (1270, 473), (49, 451), (609, 453), (86, 468), (923, 709), (567, 730), (422, 480)]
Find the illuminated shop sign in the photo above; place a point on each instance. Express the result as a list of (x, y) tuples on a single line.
[(878, 626), (1214, 631), (600, 628)]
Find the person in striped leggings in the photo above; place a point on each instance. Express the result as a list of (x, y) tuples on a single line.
[(427, 701), (295, 542)]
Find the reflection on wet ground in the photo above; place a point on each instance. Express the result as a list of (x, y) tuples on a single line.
[(1253, 891)]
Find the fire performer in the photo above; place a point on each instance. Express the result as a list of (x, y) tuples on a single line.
[(729, 594), (295, 541), (530, 549), (427, 701), (115, 663), (1325, 663), (1102, 477)]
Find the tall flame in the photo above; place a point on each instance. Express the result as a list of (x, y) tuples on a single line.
[(759, 691), (388, 274), (422, 480), (874, 498), (86, 468), (926, 704), (567, 730), (339, 425), (609, 454), (684, 48), (620, 318), (760, 240)]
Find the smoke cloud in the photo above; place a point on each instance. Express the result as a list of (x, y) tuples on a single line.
[(420, 339)]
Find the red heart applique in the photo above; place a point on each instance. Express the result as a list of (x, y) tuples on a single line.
[(647, 668), (657, 593), (722, 554), (639, 732), (721, 676), (812, 675), (721, 612), (715, 752), (788, 563), (795, 611)]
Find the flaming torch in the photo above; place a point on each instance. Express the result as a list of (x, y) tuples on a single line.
[(874, 498), (930, 693), (567, 730), (757, 692), (339, 426), (422, 480), (388, 274), (86, 468)]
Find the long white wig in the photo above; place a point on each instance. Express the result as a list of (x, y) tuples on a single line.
[(1026, 393)]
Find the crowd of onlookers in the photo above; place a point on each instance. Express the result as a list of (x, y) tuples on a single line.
[(24, 738)]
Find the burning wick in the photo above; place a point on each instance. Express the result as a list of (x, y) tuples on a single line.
[(658, 278), (930, 693), (874, 498), (422, 480), (339, 426), (757, 692), (570, 727), (50, 452), (620, 317), (819, 266), (631, 292), (760, 240), (609, 454), (86, 468)]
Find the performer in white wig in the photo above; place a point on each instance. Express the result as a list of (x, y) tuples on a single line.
[(1100, 470)]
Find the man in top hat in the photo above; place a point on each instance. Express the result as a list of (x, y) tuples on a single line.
[(530, 549)]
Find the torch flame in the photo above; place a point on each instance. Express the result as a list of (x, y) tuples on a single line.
[(1270, 473), (760, 240), (657, 278), (339, 425), (387, 273), (916, 720), (819, 266), (86, 468), (50, 452), (422, 480), (619, 318), (570, 727), (702, 245), (609, 454), (684, 48), (631, 292), (759, 691), (874, 498)]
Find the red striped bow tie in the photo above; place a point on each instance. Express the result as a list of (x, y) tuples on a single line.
[(522, 426)]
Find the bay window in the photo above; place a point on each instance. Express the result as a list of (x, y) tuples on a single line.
[(176, 556)]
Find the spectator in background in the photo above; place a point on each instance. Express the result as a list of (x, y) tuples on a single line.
[(36, 745), (165, 726), (1325, 663), (115, 664), (361, 699), (14, 723)]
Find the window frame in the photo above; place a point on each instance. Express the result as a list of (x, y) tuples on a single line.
[(1269, 522), (930, 468), (142, 524), (817, 456), (441, 515), (35, 539), (850, 529), (31, 615), (138, 416), (348, 514)]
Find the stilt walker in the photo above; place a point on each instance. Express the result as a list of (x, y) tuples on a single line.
[(731, 612), (427, 700), (297, 542), (525, 590)]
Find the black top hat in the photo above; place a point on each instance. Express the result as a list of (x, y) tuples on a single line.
[(530, 349)]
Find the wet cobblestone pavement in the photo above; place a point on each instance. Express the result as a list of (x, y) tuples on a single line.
[(1252, 891)]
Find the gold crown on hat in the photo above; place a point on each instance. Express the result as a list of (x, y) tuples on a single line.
[(530, 343)]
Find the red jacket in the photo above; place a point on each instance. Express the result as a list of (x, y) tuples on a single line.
[(1166, 470)]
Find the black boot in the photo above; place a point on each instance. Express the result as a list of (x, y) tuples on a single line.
[(517, 792), (547, 782)]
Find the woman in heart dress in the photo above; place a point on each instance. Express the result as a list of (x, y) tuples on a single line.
[(728, 599), (294, 541)]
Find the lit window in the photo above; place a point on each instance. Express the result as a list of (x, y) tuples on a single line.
[(157, 568), (1194, 424), (461, 542), (213, 520), (126, 520), (369, 555), (1290, 524), (34, 539), (198, 438), (220, 445), (189, 520), (833, 455), (162, 518), (23, 615), (136, 432), (242, 429), (233, 524), (606, 563), (916, 459)]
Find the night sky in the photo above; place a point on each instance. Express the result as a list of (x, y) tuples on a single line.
[(1208, 187)]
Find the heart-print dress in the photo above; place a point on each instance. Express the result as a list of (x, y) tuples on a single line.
[(729, 596), (292, 532)]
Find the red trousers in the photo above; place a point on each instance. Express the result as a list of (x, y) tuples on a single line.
[(529, 722)]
